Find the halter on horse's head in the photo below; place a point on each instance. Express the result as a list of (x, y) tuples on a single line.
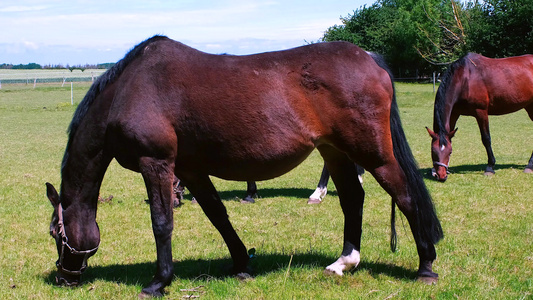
[(72, 262), (441, 150)]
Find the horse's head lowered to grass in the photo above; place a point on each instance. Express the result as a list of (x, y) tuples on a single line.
[(74, 248), (441, 150)]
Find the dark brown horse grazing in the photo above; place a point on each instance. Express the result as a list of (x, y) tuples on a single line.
[(167, 109), (479, 86)]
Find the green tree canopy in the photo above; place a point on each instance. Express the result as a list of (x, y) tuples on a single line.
[(421, 36)]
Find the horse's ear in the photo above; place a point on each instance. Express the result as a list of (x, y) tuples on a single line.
[(432, 133), (452, 133), (52, 195)]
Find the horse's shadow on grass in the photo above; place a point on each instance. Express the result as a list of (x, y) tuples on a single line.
[(476, 169), (237, 195), (262, 265)]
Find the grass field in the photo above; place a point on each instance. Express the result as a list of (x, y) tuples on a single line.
[(488, 221)]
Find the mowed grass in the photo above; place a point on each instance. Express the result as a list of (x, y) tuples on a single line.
[(488, 221)]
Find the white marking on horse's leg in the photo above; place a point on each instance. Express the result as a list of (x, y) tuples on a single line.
[(318, 195), (344, 263), (360, 178)]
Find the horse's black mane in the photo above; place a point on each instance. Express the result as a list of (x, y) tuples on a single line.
[(440, 99), (100, 84), (108, 77)]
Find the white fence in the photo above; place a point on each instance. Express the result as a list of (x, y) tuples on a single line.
[(34, 77)]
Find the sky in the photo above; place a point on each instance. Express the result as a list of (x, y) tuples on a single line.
[(79, 32)]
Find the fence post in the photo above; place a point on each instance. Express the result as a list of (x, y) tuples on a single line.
[(433, 82), (71, 94)]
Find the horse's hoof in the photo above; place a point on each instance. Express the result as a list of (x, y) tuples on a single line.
[(488, 174), (143, 295), (314, 201), (528, 171), (331, 272), (428, 280), (247, 200), (244, 276)]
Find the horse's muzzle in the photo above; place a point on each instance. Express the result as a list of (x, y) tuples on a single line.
[(440, 171), (440, 177), (67, 280)]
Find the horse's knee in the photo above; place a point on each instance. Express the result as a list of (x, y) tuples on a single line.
[(162, 228)]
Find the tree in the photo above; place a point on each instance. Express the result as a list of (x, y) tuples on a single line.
[(420, 36), (392, 28), (500, 28), (445, 33)]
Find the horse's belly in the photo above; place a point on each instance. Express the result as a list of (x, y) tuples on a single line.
[(249, 163)]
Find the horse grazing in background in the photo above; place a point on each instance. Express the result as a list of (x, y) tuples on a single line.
[(479, 86), (168, 110)]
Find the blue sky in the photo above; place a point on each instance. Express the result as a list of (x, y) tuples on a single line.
[(87, 31)]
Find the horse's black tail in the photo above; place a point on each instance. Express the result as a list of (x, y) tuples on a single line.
[(429, 228)]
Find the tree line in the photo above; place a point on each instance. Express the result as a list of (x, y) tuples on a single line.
[(418, 37)]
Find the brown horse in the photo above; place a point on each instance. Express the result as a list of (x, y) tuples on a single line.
[(479, 86), (168, 110)]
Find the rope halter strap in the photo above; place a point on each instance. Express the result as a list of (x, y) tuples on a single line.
[(436, 163), (64, 245)]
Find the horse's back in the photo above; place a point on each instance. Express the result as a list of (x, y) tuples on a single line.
[(500, 85), (257, 112)]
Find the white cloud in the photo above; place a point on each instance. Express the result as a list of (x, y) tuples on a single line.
[(221, 26), (12, 9)]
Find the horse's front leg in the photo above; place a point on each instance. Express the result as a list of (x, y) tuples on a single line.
[(158, 176), (483, 124), (205, 193)]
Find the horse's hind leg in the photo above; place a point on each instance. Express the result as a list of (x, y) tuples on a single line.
[(203, 190), (391, 177), (251, 192), (321, 189), (351, 196), (159, 177)]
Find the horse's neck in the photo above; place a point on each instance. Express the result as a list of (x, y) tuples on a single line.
[(447, 114), (85, 163), (448, 109)]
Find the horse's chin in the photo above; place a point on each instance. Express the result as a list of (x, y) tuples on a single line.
[(441, 179), (63, 279)]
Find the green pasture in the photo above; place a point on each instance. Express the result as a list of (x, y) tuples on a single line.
[(487, 221)]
